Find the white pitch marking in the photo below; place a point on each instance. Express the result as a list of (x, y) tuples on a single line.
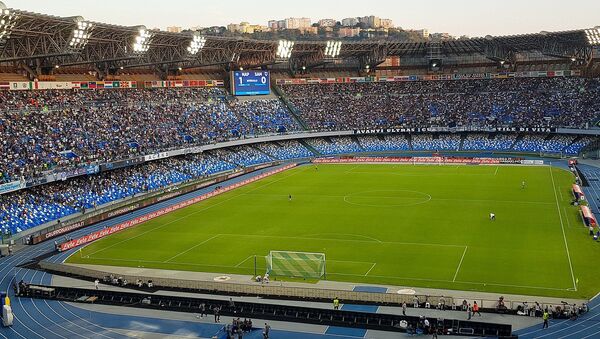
[(191, 248), (562, 227), (238, 265), (370, 269), (460, 263)]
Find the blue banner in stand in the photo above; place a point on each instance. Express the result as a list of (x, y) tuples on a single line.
[(251, 82), (11, 186)]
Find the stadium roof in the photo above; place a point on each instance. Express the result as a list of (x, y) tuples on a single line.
[(37, 41)]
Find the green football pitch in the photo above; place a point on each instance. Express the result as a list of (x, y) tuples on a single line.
[(403, 225)]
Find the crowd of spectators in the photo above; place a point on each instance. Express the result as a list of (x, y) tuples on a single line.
[(242, 156), (566, 102), (285, 150), (331, 146), (439, 142), (38, 205), (45, 129), (578, 145), (385, 143), (484, 142)]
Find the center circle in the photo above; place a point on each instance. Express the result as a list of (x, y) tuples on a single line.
[(387, 198)]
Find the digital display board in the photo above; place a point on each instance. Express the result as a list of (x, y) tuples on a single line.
[(250, 83)]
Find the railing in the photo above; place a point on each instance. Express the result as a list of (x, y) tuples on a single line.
[(292, 292)]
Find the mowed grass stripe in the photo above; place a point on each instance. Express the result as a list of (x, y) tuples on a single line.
[(523, 251)]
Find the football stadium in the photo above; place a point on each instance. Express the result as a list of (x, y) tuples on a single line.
[(305, 179)]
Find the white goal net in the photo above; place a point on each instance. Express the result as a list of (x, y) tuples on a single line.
[(296, 264)]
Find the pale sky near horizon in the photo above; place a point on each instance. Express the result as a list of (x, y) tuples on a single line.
[(457, 17)]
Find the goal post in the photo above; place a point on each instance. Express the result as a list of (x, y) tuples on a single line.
[(296, 264)]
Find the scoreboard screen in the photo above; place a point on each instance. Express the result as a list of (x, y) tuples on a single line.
[(250, 83)]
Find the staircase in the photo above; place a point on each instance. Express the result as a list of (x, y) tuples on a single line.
[(309, 147), (291, 108)]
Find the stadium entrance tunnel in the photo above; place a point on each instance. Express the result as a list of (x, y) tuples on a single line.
[(387, 198)]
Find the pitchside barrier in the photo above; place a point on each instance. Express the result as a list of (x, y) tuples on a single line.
[(430, 160), (146, 217), (277, 291)]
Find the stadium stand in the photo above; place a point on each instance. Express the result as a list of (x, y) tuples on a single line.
[(577, 146), (334, 145), (46, 203), (285, 150), (242, 156), (384, 143), (483, 142), (47, 129), (429, 142), (500, 102)]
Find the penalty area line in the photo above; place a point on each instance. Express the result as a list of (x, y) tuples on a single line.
[(370, 269), (243, 261), (460, 263), (191, 248)]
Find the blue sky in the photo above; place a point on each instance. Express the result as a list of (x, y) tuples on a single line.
[(457, 17)]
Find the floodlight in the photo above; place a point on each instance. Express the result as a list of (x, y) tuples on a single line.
[(81, 35), (435, 64), (196, 44), (333, 48), (284, 49), (593, 35), (7, 23), (142, 41)]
